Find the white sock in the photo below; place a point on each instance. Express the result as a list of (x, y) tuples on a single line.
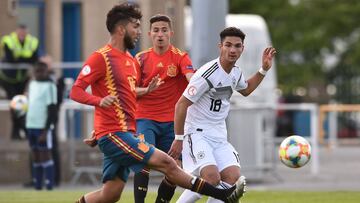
[(189, 196), (213, 200), (222, 185)]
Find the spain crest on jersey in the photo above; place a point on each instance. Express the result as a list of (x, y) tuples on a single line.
[(171, 70)]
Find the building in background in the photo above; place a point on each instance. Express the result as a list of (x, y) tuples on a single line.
[(70, 30)]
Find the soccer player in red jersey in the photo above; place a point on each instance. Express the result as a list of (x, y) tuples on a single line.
[(156, 103), (112, 74)]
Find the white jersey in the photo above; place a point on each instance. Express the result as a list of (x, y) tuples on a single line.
[(210, 89)]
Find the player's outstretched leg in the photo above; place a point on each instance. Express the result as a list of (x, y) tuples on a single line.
[(141, 181), (165, 164), (165, 192), (239, 191), (109, 192)]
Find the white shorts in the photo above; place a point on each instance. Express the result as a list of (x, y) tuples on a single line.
[(199, 152)]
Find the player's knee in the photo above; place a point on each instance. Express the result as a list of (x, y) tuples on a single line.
[(111, 192), (230, 176), (171, 167)]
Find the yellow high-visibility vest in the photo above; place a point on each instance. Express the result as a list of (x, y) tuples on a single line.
[(12, 41), (31, 43)]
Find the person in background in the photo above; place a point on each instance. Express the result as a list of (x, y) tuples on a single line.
[(55, 146), (59, 81), (40, 121), (17, 48), (165, 72)]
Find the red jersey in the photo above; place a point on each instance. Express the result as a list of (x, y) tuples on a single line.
[(159, 105), (109, 71)]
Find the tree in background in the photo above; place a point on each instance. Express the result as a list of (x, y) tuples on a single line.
[(317, 42)]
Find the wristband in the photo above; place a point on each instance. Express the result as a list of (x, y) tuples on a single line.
[(179, 137), (262, 71)]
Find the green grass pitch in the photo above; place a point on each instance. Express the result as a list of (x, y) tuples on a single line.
[(62, 196)]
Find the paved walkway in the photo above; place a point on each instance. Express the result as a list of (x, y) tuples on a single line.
[(339, 171)]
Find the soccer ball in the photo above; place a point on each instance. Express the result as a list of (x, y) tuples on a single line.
[(19, 104), (294, 151)]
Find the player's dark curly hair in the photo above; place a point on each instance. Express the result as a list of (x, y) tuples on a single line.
[(122, 13), (232, 32), (160, 17)]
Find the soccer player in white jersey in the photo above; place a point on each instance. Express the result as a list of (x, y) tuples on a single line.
[(200, 113)]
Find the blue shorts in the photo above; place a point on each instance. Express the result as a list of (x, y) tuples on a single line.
[(122, 152), (33, 137), (159, 134)]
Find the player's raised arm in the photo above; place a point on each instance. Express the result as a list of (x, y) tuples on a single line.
[(267, 58), (256, 79)]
